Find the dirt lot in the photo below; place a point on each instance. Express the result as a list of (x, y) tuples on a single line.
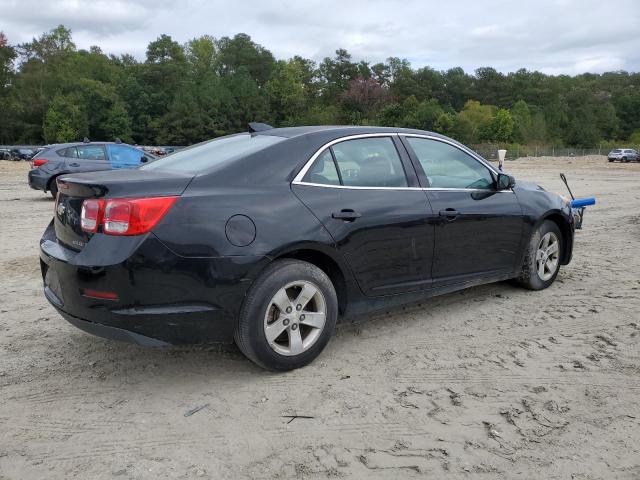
[(490, 382)]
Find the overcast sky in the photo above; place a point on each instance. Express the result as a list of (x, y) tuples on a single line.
[(553, 36)]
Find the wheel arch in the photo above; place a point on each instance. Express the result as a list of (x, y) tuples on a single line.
[(564, 225), (327, 260), (53, 179)]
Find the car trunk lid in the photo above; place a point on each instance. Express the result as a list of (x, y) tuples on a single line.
[(74, 189)]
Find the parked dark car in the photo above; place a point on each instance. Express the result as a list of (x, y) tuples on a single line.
[(623, 155), (21, 153), (268, 238), (5, 154), (50, 163)]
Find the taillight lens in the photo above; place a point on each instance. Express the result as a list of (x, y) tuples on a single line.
[(90, 216), (124, 216), (38, 162)]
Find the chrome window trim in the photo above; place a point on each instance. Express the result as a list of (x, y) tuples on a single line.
[(349, 187), (424, 189), (298, 178)]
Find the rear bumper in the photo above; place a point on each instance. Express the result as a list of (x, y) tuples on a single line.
[(38, 179), (111, 333), (162, 298)]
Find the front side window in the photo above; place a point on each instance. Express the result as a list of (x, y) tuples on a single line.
[(122, 156), (449, 167), (91, 152)]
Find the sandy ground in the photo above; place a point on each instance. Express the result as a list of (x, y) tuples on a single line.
[(491, 382)]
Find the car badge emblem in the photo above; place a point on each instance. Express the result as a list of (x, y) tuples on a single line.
[(61, 209)]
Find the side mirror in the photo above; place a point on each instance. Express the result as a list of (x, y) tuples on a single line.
[(143, 159), (504, 181)]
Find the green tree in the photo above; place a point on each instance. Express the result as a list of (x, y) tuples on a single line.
[(290, 91), (7, 56), (475, 121), (209, 87), (335, 75), (241, 52), (65, 120), (501, 126)]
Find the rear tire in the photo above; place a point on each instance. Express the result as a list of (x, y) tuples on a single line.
[(53, 188), (288, 316), (542, 258)]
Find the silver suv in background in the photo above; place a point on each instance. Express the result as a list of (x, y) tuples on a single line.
[(624, 155), (81, 157)]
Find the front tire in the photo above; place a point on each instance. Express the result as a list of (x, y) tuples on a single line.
[(288, 316), (542, 259)]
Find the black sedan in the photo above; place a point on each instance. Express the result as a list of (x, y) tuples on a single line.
[(270, 237)]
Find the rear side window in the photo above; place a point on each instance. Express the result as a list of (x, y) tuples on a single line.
[(122, 156), (369, 162), (323, 171), (449, 167), (69, 152), (91, 152), (206, 155), (363, 162)]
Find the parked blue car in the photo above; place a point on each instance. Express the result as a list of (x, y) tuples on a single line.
[(81, 157)]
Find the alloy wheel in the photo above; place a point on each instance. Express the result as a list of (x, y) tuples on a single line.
[(548, 256), (295, 318)]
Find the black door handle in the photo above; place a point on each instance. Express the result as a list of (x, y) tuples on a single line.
[(450, 214), (74, 164), (346, 214)]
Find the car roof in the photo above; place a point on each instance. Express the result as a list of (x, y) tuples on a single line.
[(75, 144), (339, 131), (279, 162)]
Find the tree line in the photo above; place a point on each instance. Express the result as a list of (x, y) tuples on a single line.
[(51, 91)]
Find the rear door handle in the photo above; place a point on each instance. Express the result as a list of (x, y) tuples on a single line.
[(450, 214), (346, 214), (74, 164)]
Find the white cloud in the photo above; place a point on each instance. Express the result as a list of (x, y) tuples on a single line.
[(556, 36)]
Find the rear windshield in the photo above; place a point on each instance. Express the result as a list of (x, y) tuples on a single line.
[(206, 155)]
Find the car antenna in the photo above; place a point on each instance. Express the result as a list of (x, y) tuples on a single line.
[(86, 140), (255, 127)]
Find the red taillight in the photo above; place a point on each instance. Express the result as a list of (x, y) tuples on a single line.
[(91, 215), (38, 162), (124, 216)]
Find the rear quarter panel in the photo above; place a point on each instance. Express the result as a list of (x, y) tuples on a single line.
[(196, 225)]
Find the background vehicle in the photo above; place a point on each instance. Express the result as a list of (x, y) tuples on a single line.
[(21, 153), (5, 154), (268, 237), (623, 155), (79, 157)]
